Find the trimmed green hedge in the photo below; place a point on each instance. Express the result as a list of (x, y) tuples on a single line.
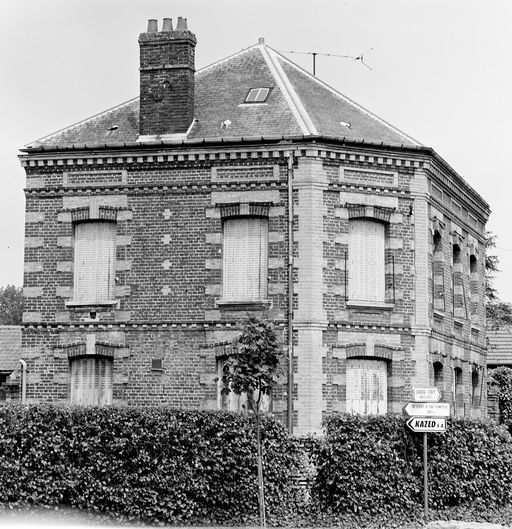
[(186, 467), (155, 465), (373, 465)]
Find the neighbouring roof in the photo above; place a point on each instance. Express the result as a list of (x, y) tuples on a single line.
[(499, 351), (298, 104), (10, 347)]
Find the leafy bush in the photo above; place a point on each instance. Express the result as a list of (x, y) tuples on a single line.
[(155, 465), (373, 466), (470, 464), (367, 464), (500, 380), (190, 467)]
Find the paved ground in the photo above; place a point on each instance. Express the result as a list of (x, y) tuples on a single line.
[(463, 525)]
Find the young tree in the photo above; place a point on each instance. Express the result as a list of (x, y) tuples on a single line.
[(498, 313), (11, 305), (251, 370)]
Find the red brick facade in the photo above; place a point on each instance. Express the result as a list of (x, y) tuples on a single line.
[(168, 202)]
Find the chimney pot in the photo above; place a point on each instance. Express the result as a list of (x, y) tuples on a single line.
[(152, 25), (261, 40), (167, 25), (182, 24)]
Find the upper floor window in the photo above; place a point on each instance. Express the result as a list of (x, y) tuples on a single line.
[(245, 256), (94, 261), (366, 264)]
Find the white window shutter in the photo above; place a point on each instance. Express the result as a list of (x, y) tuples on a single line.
[(245, 259), (366, 261), (91, 381), (94, 266), (366, 390)]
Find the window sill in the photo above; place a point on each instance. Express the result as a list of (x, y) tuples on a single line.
[(439, 314), (381, 305), (92, 304), (243, 305)]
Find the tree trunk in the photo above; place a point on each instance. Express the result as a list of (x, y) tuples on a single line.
[(261, 489)]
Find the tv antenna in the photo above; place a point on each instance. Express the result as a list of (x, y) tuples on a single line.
[(314, 54)]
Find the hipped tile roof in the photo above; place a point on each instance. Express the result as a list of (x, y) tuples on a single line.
[(500, 347), (299, 104), (10, 347)]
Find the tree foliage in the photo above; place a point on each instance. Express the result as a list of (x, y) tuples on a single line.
[(500, 380), (252, 370), (11, 305), (498, 313), (253, 367)]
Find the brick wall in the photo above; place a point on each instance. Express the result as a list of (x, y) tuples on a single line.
[(169, 272)]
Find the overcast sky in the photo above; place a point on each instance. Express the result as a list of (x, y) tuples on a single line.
[(441, 72)]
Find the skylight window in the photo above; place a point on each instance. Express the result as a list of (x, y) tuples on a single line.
[(257, 95)]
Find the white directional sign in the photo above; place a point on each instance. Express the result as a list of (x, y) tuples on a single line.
[(426, 394), (427, 424), (427, 409)]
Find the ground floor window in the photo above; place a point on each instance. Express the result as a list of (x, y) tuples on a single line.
[(91, 381), (367, 386)]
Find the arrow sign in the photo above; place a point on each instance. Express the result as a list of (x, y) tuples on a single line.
[(427, 424), (427, 409), (426, 394)]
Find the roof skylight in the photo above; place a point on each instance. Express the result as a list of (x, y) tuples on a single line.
[(257, 95)]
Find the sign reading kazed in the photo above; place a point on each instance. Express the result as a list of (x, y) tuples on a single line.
[(427, 424)]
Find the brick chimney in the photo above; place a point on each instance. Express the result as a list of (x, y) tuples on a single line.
[(167, 69)]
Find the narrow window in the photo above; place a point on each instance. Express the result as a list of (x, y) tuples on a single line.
[(438, 375), (458, 380), (245, 259), (366, 386), (475, 388), (94, 261), (366, 261), (91, 381)]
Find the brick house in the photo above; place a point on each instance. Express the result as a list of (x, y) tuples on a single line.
[(249, 186)]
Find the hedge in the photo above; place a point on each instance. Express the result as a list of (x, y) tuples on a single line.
[(373, 465), (155, 465), (194, 467)]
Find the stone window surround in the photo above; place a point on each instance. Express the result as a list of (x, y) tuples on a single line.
[(381, 214), (243, 209), (91, 213)]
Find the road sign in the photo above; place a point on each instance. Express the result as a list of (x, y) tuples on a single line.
[(426, 394), (427, 424), (427, 409)]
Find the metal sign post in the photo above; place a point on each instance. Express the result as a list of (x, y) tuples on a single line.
[(425, 475), (429, 416)]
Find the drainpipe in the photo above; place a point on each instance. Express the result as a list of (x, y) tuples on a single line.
[(24, 382), (290, 291)]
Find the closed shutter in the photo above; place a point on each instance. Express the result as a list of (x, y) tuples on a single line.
[(94, 261), (366, 387), (366, 261), (245, 259), (91, 381)]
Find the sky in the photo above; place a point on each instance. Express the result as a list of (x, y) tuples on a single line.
[(440, 71)]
